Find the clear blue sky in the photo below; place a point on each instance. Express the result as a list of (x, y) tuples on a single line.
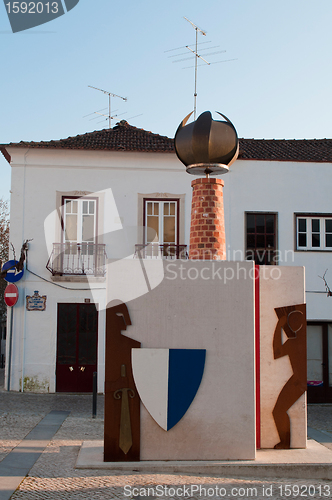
[(279, 86)]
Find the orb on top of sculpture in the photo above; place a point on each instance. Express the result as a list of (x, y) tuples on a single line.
[(205, 145)]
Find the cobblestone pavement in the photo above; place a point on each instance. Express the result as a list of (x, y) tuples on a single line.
[(53, 477)]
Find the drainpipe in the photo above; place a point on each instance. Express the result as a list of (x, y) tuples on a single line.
[(23, 341)]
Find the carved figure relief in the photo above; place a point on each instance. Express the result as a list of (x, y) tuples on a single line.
[(292, 320), (122, 403)]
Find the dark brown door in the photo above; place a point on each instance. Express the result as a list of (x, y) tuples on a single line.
[(319, 362), (76, 347)]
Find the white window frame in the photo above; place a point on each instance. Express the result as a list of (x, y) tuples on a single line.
[(161, 217), (80, 214), (309, 232)]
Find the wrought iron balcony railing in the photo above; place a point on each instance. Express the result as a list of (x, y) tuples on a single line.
[(157, 251), (77, 259)]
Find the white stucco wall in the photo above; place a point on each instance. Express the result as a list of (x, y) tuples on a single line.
[(39, 174), (284, 188)]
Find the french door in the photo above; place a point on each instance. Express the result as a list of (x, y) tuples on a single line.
[(79, 220), (319, 362), (161, 222), (76, 347)]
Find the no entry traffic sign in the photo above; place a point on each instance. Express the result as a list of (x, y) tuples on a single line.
[(11, 294)]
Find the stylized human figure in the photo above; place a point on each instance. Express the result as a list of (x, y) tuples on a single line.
[(292, 320), (122, 403)]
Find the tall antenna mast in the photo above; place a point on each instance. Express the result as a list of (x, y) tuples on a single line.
[(197, 56), (110, 94), (194, 53)]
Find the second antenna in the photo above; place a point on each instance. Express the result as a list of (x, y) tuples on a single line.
[(110, 94)]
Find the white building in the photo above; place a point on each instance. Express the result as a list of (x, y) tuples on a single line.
[(277, 210)]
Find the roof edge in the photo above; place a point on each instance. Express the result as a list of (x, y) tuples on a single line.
[(5, 154), (76, 149), (283, 160)]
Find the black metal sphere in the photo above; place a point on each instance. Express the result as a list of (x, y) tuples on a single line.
[(206, 141)]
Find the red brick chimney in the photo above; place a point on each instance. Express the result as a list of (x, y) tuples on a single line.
[(207, 230)]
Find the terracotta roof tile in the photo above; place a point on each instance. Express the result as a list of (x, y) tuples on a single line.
[(122, 137), (311, 150), (125, 137)]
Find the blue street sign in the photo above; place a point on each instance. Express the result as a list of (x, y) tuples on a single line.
[(12, 275)]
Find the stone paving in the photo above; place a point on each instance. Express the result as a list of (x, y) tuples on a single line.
[(54, 477)]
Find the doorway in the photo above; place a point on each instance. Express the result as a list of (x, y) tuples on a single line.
[(77, 334), (319, 362)]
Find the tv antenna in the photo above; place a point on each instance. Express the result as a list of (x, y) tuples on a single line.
[(110, 94), (99, 114), (197, 56)]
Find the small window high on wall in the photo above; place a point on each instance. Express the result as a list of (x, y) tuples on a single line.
[(261, 237), (314, 232)]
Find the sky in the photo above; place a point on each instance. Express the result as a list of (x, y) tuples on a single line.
[(274, 82)]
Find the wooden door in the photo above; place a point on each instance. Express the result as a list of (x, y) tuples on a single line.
[(76, 347), (319, 359)]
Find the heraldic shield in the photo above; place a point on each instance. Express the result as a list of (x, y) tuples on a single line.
[(167, 381)]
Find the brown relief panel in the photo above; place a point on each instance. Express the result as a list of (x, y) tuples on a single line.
[(122, 403), (292, 320)]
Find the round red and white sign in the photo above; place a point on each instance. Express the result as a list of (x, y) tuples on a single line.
[(11, 294)]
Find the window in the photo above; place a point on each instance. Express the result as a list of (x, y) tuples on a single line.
[(313, 232), (79, 221), (162, 217), (76, 250), (261, 237), (79, 236), (161, 229)]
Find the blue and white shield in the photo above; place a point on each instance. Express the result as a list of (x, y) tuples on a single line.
[(167, 381)]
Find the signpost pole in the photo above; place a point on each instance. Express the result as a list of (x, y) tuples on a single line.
[(23, 344), (11, 297), (10, 348)]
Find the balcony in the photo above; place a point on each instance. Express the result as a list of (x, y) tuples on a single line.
[(77, 259), (157, 251)]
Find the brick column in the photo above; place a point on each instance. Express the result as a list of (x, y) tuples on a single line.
[(207, 230)]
